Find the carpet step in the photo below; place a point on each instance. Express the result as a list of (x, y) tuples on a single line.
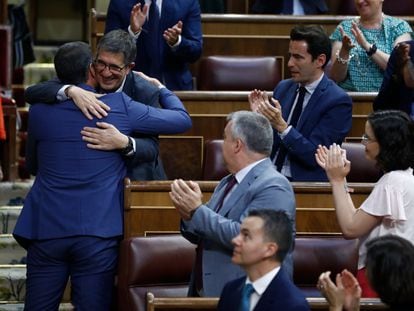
[(10, 192), (12, 282), (8, 218), (13, 286), (11, 251), (7, 306)]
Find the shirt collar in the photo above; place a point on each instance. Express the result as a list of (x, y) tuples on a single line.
[(311, 87), (263, 282), (244, 171)]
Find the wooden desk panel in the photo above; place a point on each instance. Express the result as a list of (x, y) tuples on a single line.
[(223, 102), (148, 207)]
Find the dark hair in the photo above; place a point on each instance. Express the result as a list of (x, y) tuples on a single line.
[(119, 41), (390, 270), (72, 62), (277, 227), (394, 132), (317, 39), (253, 129)]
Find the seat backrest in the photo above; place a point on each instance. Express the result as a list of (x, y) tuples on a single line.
[(316, 254), (6, 57), (394, 7), (159, 264), (239, 73), (213, 164), (362, 169)]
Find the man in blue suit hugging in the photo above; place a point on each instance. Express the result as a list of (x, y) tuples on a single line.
[(71, 220)]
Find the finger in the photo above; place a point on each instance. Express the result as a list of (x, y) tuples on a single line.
[(86, 113), (104, 125)]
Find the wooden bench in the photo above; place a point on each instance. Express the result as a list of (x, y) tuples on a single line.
[(241, 24), (189, 303), (154, 271), (148, 208), (224, 102)]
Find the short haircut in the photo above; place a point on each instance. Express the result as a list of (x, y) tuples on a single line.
[(394, 132), (317, 39), (72, 62), (278, 228), (390, 270), (118, 41), (253, 129)]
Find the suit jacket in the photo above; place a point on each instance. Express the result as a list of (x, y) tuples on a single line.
[(77, 190), (394, 94), (326, 119), (145, 164), (277, 7), (173, 62), (263, 187), (281, 294)]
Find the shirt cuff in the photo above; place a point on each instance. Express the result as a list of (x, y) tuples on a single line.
[(175, 46), (285, 132), (134, 148), (61, 96), (133, 34)]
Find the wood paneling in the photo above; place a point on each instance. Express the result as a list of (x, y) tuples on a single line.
[(148, 207)]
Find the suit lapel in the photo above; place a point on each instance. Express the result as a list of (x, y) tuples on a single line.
[(313, 104), (242, 188), (288, 102)]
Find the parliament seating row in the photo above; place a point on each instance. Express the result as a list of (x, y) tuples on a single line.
[(237, 35), (335, 7), (160, 266), (208, 111), (148, 208)]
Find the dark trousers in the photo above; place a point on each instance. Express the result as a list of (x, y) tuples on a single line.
[(90, 262)]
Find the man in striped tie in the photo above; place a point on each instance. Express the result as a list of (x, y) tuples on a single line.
[(253, 183)]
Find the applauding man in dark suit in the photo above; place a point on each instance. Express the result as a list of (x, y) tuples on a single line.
[(307, 110), (264, 240)]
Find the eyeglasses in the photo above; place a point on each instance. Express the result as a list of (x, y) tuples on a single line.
[(365, 139), (100, 65)]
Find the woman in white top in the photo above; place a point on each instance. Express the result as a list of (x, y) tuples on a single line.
[(389, 209)]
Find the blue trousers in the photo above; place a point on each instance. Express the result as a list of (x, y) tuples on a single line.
[(90, 262)]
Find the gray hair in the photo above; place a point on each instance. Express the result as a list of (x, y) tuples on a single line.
[(253, 129), (119, 41)]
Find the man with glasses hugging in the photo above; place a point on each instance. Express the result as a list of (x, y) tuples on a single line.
[(113, 65)]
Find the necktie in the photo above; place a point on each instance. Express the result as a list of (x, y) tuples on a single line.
[(287, 7), (154, 39), (293, 121), (245, 299), (230, 184), (199, 250)]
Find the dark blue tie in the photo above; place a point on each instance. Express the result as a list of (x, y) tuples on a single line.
[(154, 38), (293, 121), (245, 299), (287, 6)]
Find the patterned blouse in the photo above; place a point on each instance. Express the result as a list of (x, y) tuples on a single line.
[(364, 75)]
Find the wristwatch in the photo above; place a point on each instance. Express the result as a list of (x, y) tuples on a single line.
[(371, 50), (128, 149)]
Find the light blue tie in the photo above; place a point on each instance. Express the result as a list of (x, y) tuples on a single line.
[(245, 300)]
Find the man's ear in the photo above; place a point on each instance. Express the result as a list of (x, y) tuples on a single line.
[(131, 66), (321, 59), (272, 248), (92, 76)]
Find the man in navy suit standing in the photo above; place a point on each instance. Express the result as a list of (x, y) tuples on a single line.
[(168, 36), (264, 240), (71, 220), (307, 110)]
